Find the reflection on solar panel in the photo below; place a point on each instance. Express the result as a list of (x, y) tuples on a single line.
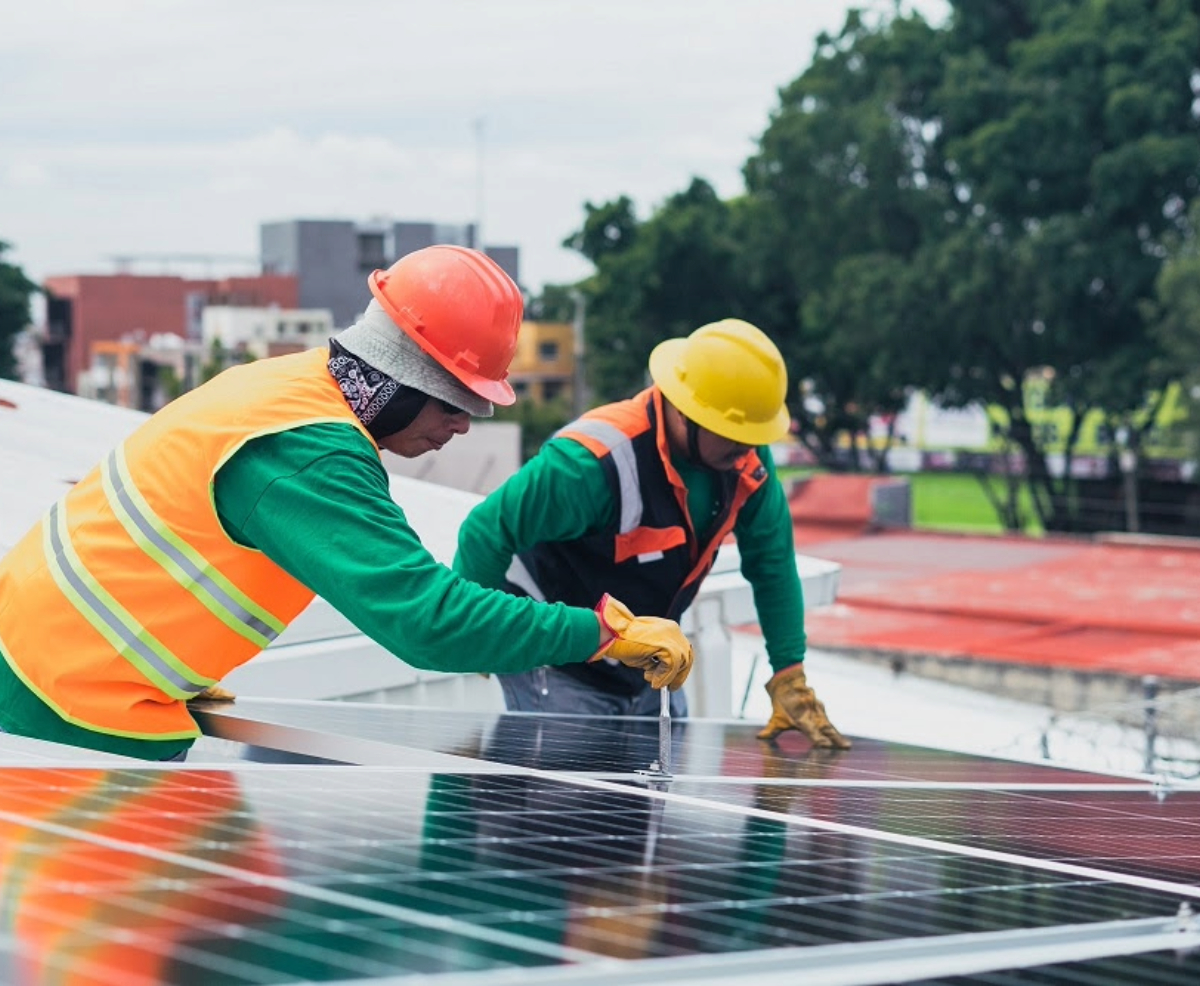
[(475, 855)]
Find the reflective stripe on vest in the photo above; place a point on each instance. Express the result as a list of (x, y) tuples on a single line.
[(620, 449), (110, 619), (186, 566)]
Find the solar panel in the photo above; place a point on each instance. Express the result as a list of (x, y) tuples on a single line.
[(1159, 968), (1147, 833), (612, 745), (470, 853)]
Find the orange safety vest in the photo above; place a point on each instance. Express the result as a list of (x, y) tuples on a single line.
[(129, 597)]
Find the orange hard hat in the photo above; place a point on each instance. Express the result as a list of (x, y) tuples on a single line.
[(461, 308)]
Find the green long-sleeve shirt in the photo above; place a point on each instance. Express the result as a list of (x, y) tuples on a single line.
[(315, 500), (561, 494)]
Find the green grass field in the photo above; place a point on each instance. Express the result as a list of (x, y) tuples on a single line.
[(951, 502), (957, 502)]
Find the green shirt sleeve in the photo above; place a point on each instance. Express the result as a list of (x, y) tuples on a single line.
[(315, 500), (560, 494), (766, 542)]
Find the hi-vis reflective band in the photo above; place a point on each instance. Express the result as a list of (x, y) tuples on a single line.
[(621, 449), (185, 565), (109, 618)]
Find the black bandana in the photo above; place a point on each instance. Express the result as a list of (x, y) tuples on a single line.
[(379, 402)]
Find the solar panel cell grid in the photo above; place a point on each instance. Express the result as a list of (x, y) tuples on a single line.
[(1142, 833), (284, 873)]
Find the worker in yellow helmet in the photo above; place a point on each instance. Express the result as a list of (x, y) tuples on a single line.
[(197, 540), (636, 498)]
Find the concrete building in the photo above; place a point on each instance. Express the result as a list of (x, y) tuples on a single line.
[(544, 365), (89, 308), (331, 258), (263, 332)]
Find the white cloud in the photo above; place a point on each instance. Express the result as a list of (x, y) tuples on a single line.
[(26, 174), (147, 126)]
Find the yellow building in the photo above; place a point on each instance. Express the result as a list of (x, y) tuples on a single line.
[(544, 366)]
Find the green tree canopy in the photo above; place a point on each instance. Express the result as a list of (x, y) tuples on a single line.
[(16, 290), (654, 280)]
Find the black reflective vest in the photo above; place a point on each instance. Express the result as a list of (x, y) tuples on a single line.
[(650, 556)]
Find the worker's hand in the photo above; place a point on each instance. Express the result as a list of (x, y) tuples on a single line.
[(795, 706), (655, 645), (214, 693)]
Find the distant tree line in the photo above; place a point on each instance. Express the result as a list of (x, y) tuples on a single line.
[(948, 208), (16, 290)]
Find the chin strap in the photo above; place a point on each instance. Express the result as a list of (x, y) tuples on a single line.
[(693, 442)]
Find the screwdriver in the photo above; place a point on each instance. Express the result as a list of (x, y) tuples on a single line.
[(664, 731)]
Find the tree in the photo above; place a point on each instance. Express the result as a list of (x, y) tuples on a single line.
[(1070, 143), (554, 304), (1015, 172), (654, 280), (1175, 312), (837, 209), (16, 290)]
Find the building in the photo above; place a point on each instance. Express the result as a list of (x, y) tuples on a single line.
[(544, 365), (89, 308), (263, 332), (141, 374), (331, 258)]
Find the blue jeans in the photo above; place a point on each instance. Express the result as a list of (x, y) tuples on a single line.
[(550, 690)]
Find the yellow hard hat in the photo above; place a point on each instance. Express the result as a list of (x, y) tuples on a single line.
[(729, 378)]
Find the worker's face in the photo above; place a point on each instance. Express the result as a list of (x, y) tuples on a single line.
[(437, 423), (719, 453), (715, 452)]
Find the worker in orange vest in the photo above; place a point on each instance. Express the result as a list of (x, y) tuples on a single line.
[(637, 497), (196, 541)]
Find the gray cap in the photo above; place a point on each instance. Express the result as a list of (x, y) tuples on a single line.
[(375, 339)]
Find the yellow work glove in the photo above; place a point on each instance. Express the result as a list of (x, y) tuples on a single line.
[(655, 645), (796, 706), (214, 693)]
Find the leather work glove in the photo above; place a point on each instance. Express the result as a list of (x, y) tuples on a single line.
[(796, 706), (214, 693), (655, 645)]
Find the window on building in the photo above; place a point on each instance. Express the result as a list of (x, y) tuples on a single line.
[(548, 351), (370, 252), (551, 389)]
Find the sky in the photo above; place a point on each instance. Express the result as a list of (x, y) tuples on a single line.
[(160, 128)]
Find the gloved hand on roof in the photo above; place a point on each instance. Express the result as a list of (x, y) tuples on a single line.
[(214, 693), (796, 706)]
